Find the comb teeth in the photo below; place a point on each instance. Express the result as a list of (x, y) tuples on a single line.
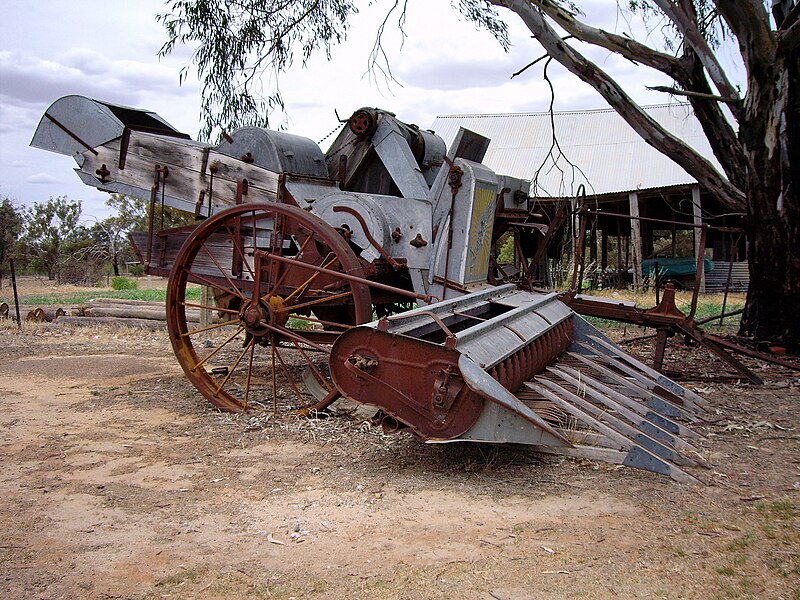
[(533, 358)]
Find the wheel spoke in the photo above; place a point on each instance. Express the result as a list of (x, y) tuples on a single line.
[(278, 283), (321, 322), (217, 349), (293, 336), (289, 378), (219, 266), (301, 289), (209, 328), (274, 378), (214, 308), (237, 246), (249, 375), (314, 302), (235, 364), (212, 284)]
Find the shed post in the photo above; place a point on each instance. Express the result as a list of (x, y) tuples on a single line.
[(603, 250), (636, 239), (698, 220)]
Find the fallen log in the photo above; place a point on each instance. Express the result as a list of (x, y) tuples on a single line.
[(125, 301), (126, 312), (133, 312), (48, 315), (149, 324)]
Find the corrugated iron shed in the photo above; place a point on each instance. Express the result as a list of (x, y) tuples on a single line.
[(607, 154)]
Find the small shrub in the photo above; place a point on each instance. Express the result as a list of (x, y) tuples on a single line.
[(506, 253), (136, 270), (123, 283)]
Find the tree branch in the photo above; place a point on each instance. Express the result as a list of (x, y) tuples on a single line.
[(749, 22), (791, 18), (534, 62), (789, 38), (722, 137), (653, 133), (555, 146), (630, 49), (691, 94), (687, 25)]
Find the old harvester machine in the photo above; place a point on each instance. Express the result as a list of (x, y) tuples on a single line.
[(368, 272)]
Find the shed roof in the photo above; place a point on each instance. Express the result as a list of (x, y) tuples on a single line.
[(607, 154)]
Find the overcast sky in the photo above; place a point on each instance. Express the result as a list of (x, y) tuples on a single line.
[(107, 50)]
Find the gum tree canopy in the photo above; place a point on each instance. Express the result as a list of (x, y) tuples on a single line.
[(236, 42)]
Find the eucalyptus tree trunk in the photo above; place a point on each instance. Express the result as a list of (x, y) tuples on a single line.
[(770, 137)]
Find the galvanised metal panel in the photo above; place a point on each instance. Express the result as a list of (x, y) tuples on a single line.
[(277, 151), (73, 124), (605, 153)]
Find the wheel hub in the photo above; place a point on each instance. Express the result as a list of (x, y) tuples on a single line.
[(256, 317)]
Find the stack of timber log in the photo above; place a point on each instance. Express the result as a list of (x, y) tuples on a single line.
[(141, 314)]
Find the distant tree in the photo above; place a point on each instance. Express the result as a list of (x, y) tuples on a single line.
[(49, 227), (131, 214), (102, 243), (234, 43), (10, 229), (80, 264)]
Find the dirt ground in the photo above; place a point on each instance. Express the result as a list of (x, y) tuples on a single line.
[(119, 481)]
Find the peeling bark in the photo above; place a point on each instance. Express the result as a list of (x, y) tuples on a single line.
[(770, 137)]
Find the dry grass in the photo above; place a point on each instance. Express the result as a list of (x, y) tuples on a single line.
[(683, 298)]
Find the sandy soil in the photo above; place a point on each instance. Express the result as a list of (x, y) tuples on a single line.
[(119, 481)]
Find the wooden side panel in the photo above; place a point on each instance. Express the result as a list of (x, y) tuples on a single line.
[(196, 173)]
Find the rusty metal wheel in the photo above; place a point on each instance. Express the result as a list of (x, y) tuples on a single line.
[(270, 350)]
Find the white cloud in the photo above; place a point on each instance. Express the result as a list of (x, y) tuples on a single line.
[(42, 178), (30, 79)]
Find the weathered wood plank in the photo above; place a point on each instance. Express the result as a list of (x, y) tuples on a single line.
[(186, 178)]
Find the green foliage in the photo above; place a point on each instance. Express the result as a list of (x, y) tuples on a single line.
[(238, 41), (709, 308), (49, 228), (123, 283), (132, 214), (506, 254), (10, 229), (136, 270), (55, 243), (705, 309), (235, 43)]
